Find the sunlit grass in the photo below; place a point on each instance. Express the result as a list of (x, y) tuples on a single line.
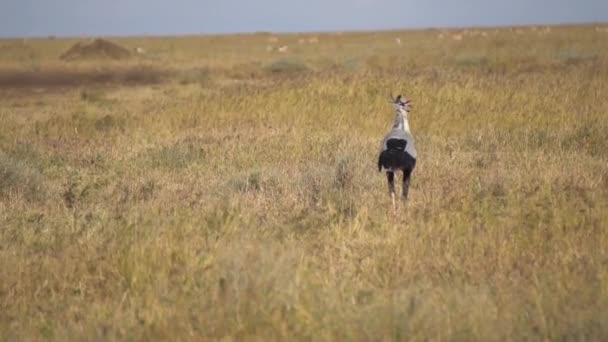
[(237, 197)]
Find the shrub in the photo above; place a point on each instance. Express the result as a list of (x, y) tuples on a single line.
[(19, 179), (287, 66), (575, 57), (469, 59), (202, 76), (176, 156)]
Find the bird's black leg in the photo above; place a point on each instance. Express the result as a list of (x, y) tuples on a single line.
[(390, 176), (407, 174)]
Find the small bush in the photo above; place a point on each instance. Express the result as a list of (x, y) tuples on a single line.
[(254, 181), (246, 71), (344, 177), (19, 179), (91, 96), (589, 138), (287, 66), (86, 123), (136, 191), (108, 122), (176, 156), (201, 76), (468, 59), (573, 57)]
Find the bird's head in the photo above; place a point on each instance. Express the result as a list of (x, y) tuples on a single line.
[(401, 103)]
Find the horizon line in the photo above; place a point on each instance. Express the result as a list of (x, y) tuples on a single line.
[(287, 32)]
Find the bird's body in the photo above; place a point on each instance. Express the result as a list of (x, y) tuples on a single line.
[(395, 158), (398, 149)]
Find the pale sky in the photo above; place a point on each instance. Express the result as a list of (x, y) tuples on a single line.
[(19, 18)]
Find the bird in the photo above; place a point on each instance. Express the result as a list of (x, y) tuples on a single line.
[(398, 150)]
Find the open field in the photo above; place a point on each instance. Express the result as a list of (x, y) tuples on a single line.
[(215, 188)]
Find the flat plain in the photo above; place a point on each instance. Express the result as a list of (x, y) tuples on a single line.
[(225, 187)]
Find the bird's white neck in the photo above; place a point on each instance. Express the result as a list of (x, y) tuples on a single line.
[(401, 120)]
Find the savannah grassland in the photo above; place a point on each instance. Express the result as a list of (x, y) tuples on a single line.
[(210, 189)]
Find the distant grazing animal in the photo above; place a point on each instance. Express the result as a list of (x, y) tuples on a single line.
[(398, 151)]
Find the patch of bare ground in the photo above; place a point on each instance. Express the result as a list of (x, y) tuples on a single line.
[(71, 77)]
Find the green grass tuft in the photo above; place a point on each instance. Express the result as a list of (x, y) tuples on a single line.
[(20, 179)]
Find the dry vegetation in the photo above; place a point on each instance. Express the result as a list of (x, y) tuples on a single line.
[(233, 194)]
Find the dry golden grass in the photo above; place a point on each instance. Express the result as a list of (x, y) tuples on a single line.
[(236, 197)]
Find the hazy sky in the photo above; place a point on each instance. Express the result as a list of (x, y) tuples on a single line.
[(132, 17)]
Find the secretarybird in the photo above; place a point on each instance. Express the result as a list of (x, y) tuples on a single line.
[(398, 151)]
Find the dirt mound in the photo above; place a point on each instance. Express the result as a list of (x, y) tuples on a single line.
[(95, 49)]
